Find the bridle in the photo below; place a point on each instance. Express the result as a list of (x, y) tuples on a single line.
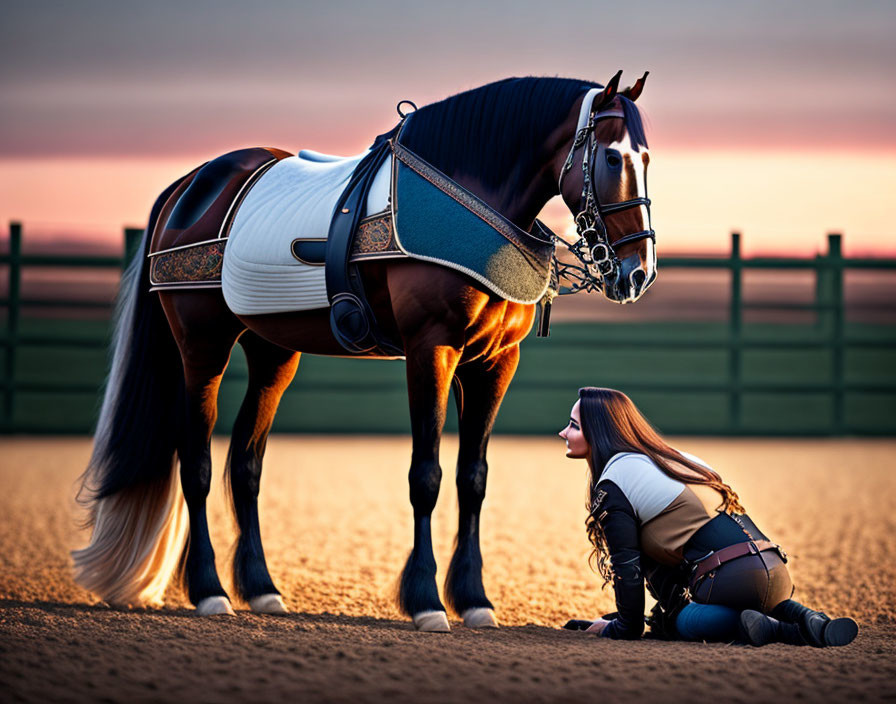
[(593, 248)]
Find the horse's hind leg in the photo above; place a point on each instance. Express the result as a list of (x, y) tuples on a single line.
[(430, 370), (483, 387), (271, 369), (205, 332)]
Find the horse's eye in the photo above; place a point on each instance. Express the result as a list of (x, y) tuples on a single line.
[(614, 159)]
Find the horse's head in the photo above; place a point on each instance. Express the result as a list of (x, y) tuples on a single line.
[(604, 183)]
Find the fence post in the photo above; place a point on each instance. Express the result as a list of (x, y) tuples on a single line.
[(822, 294), (735, 317), (12, 321), (838, 357), (132, 238)]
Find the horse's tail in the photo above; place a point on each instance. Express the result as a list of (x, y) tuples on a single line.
[(130, 487)]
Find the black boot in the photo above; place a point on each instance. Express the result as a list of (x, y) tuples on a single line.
[(757, 629), (817, 628)]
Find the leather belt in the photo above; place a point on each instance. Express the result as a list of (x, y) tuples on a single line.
[(732, 552)]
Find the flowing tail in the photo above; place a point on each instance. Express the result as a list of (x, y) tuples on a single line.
[(130, 487)]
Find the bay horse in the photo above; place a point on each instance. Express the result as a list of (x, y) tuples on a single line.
[(513, 144)]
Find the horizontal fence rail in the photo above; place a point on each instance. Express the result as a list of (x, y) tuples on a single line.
[(702, 378)]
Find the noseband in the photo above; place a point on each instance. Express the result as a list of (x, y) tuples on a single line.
[(593, 248)]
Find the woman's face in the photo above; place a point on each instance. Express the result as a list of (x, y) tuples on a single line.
[(576, 444)]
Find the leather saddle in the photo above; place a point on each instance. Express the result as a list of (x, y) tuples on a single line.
[(204, 199)]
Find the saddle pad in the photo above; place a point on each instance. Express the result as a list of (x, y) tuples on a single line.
[(438, 220), (293, 200)]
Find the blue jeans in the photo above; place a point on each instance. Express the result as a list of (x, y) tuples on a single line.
[(707, 622)]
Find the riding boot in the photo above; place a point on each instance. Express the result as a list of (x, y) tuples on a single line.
[(757, 629), (817, 628)]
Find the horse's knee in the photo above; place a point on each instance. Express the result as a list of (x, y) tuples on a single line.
[(424, 479), (471, 481)]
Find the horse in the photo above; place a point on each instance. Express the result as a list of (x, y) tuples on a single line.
[(515, 144)]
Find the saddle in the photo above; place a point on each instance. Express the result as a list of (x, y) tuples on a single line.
[(201, 202), (275, 233), (187, 245)]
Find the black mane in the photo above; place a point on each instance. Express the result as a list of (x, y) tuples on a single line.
[(493, 132)]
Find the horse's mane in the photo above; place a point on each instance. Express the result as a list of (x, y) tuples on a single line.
[(495, 129)]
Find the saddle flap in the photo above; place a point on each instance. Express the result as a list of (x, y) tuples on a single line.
[(438, 220)]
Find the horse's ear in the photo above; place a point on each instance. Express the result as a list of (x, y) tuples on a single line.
[(608, 93), (634, 91)]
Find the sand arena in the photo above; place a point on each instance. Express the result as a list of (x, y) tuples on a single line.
[(337, 526)]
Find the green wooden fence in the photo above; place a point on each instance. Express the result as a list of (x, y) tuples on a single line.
[(733, 377)]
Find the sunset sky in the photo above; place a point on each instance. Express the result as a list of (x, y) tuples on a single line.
[(777, 119)]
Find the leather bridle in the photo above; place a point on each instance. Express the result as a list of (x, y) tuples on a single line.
[(593, 248)]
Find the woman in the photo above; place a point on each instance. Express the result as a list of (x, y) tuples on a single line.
[(666, 516)]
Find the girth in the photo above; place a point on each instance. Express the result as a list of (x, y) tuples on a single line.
[(352, 320)]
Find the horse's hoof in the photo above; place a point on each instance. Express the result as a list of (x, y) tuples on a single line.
[(432, 622), (268, 604), (479, 617), (215, 606)]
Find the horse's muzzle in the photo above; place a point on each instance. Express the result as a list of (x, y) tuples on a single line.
[(630, 282)]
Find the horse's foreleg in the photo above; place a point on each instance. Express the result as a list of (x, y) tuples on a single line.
[(483, 387), (430, 371), (271, 369)]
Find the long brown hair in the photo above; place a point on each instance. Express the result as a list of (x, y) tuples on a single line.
[(612, 424)]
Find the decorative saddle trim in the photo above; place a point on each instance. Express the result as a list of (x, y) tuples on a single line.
[(190, 266), (375, 239), (199, 265)]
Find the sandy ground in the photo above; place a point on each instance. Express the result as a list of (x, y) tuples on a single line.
[(337, 525)]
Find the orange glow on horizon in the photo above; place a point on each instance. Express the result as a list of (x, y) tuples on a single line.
[(783, 202)]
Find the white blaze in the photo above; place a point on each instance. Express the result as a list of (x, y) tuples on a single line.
[(624, 146)]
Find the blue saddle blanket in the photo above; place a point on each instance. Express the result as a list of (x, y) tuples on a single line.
[(437, 220)]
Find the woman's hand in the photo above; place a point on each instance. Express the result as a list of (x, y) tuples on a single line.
[(597, 627)]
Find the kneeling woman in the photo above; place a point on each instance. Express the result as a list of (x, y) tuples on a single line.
[(666, 516)]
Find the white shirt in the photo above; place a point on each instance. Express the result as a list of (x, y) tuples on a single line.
[(648, 488)]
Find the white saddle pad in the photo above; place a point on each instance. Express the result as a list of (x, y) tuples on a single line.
[(294, 199)]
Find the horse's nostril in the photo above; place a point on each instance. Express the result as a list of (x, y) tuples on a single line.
[(637, 278)]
